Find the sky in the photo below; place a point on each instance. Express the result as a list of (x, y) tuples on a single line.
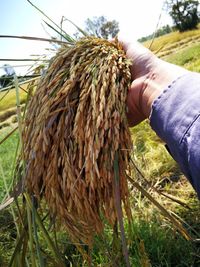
[(136, 19)]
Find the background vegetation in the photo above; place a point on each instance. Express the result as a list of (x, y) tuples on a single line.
[(185, 13)]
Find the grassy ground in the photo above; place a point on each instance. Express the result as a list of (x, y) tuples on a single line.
[(172, 42), (8, 98), (7, 156), (152, 240), (188, 57)]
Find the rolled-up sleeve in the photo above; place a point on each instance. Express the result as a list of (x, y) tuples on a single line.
[(175, 117)]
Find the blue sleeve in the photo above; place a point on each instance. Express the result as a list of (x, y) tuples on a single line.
[(175, 117)]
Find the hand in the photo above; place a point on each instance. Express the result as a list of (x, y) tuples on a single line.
[(151, 76)]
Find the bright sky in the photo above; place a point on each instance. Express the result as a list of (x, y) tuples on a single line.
[(136, 18)]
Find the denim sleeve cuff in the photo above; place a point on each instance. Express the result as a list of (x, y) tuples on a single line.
[(174, 117)]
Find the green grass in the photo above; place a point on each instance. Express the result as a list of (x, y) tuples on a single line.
[(7, 156), (8, 98), (161, 246), (189, 58), (7, 237), (150, 152)]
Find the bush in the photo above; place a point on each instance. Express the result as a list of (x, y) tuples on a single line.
[(184, 14)]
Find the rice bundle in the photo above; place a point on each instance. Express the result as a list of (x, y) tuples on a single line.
[(75, 124)]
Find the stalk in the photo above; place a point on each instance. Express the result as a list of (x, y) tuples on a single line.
[(119, 208), (30, 236), (44, 232)]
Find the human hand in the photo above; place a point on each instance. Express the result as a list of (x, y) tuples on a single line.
[(150, 76)]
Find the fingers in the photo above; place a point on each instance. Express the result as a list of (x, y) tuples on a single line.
[(143, 59), (135, 114), (134, 118), (133, 48), (142, 70)]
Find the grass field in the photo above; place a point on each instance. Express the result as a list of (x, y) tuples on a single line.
[(174, 41), (188, 57), (7, 156), (8, 98), (151, 238)]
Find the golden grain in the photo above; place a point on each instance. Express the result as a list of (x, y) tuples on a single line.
[(75, 123)]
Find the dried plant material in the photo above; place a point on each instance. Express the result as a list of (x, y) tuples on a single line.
[(75, 124)]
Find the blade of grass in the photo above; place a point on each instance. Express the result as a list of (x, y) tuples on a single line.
[(16, 83), (17, 248), (22, 59), (185, 223), (39, 255), (78, 28), (24, 250), (157, 25), (6, 203), (4, 95), (30, 235), (13, 195), (20, 83), (179, 201), (18, 66), (35, 39), (19, 254), (16, 192), (119, 208), (66, 36), (174, 221), (17, 188), (45, 233), (8, 195), (58, 27), (8, 135)]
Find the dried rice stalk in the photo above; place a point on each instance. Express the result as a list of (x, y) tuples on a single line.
[(75, 124)]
